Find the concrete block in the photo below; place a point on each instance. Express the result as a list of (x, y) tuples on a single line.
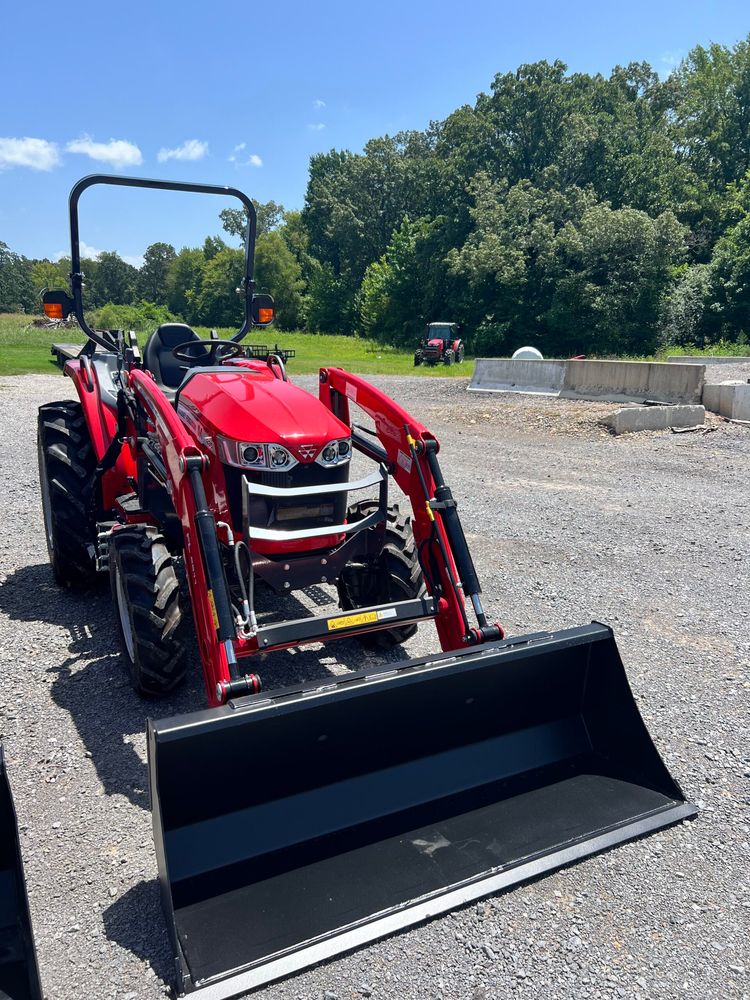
[(634, 381), (741, 407), (618, 381), (722, 397), (521, 375), (654, 418)]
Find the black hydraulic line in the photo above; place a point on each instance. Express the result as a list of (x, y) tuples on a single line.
[(205, 524), (436, 534), (445, 503)]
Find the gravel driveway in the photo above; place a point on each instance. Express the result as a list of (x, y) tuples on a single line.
[(648, 533)]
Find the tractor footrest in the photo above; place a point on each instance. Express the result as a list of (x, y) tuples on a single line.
[(325, 628)]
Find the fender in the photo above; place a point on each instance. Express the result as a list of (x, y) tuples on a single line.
[(101, 421)]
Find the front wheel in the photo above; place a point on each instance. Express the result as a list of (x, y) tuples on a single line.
[(393, 575), (146, 595), (449, 357), (417, 360)]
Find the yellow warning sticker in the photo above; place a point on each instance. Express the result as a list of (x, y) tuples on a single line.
[(212, 602), (347, 621)]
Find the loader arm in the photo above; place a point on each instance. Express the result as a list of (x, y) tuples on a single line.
[(410, 451), (182, 467)]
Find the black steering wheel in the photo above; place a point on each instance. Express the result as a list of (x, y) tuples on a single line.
[(219, 350)]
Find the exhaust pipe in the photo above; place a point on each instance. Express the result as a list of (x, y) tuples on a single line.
[(306, 822), (19, 974)]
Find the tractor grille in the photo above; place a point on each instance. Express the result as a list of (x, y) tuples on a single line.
[(298, 512)]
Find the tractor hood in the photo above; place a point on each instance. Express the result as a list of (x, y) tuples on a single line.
[(251, 404), (436, 343)]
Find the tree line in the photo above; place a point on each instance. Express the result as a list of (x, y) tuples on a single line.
[(578, 212)]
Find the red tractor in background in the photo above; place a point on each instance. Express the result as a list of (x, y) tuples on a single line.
[(295, 824), (440, 345)]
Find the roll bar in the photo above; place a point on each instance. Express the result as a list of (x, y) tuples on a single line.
[(76, 275)]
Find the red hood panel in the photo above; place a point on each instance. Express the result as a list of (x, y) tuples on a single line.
[(250, 405), (435, 342)]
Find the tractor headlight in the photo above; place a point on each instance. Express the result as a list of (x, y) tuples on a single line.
[(335, 452), (255, 455), (279, 458)]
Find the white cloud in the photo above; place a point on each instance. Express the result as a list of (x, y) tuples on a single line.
[(237, 149), (191, 149), (87, 252), (135, 259), (115, 153), (39, 154), (253, 160), (317, 104), (316, 126), (669, 60)]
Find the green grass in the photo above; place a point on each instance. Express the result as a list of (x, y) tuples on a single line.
[(25, 350)]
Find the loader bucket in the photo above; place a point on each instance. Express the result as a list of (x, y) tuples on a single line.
[(306, 822), (19, 975)]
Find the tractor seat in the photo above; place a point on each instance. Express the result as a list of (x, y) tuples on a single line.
[(159, 360)]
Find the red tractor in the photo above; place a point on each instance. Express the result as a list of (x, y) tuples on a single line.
[(295, 824), (440, 345)]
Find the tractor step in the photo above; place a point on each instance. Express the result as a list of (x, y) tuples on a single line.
[(372, 801)]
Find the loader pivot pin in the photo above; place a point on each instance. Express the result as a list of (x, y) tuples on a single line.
[(248, 684)]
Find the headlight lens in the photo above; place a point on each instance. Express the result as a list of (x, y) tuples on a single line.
[(335, 452), (279, 457), (252, 454)]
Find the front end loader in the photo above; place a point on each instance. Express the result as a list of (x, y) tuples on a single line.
[(299, 823), (19, 973)]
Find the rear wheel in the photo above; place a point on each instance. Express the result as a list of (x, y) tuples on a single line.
[(460, 355), (67, 483), (393, 575), (146, 595)]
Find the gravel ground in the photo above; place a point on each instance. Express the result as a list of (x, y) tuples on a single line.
[(725, 373), (647, 532)]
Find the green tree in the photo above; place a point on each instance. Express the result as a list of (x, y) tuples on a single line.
[(114, 280), (16, 284), (611, 271), (269, 216), (278, 272), (184, 281), (217, 303), (153, 275)]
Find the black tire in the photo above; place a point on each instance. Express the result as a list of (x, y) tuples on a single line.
[(417, 360), (449, 356), (460, 355), (146, 596), (68, 489), (394, 575)]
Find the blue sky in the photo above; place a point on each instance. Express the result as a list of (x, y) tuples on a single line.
[(244, 93)]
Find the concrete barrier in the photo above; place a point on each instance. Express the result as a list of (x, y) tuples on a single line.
[(521, 375), (634, 381), (696, 359), (616, 381), (654, 418), (729, 399)]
